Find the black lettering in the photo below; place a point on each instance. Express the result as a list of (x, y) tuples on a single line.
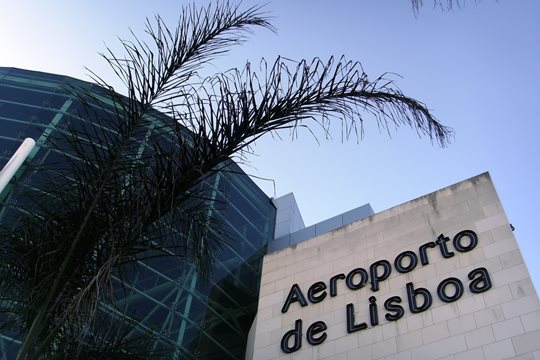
[(373, 272), (333, 283), (412, 293), (480, 280), (413, 261), (294, 295), (351, 326), (373, 313), (314, 290), (473, 240), (296, 333), (458, 289), (314, 329), (391, 305), (423, 252), (363, 279), (441, 241)]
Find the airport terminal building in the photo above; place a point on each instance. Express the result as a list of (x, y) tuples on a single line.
[(439, 277), (199, 318)]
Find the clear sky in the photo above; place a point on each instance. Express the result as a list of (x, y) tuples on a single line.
[(477, 68)]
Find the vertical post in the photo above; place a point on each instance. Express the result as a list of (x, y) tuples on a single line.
[(15, 162)]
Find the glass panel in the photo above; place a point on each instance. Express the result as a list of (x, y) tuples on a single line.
[(209, 318)]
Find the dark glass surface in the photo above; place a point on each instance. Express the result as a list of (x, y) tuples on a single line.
[(200, 318)]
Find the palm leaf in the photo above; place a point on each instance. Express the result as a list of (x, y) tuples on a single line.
[(134, 184)]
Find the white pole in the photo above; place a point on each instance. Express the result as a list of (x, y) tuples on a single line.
[(15, 162)]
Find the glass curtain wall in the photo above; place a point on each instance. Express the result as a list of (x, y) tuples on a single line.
[(202, 318)]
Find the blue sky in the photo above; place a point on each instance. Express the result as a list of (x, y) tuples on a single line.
[(476, 68)]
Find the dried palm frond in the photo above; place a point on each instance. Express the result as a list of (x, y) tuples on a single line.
[(134, 184)]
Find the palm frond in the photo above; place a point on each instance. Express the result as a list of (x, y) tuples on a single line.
[(135, 184), (444, 5), (240, 106)]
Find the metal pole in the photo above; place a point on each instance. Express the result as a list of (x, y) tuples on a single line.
[(15, 162)]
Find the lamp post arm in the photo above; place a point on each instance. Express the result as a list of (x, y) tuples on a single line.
[(15, 162)]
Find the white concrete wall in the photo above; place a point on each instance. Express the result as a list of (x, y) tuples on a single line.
[(502, 322), (288, 216)]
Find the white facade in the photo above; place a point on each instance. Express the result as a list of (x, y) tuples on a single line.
[(497, 315)]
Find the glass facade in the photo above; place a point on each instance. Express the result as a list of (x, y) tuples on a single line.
[(202, 318)]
